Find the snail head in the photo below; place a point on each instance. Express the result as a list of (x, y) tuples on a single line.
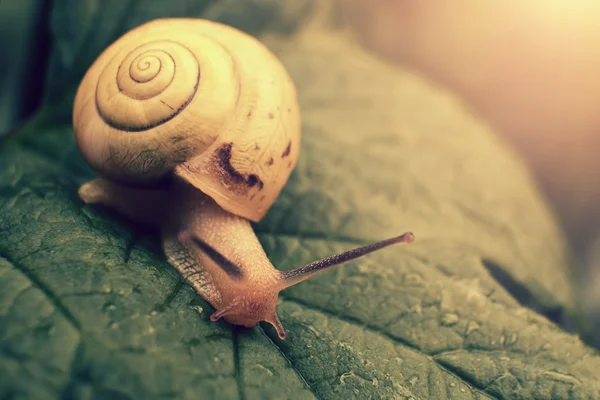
[(258, 301)]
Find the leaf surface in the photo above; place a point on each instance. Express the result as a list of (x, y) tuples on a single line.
[(90, 309)]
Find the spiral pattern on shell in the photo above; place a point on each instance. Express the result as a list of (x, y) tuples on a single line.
[(163, 71)]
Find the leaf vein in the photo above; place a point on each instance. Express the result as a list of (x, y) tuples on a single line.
[(236, 365), (289, 361), (52, 297), (380, 332)]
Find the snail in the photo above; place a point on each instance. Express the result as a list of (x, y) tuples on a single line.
[(194, 127)]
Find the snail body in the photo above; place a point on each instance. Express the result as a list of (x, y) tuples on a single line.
[(194, 127)]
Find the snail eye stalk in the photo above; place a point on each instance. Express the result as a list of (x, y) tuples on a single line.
[(300, 274)]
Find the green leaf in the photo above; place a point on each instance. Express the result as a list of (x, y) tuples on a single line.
[(90, 309)]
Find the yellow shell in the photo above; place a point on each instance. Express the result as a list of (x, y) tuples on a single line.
[(196, 98)]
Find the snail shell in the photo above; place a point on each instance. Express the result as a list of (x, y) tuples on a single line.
[(197, 99)]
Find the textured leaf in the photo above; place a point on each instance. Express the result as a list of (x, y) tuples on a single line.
[(90, 309)]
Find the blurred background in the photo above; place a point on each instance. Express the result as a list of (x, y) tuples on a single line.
[(24, 52), (530, 69)]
